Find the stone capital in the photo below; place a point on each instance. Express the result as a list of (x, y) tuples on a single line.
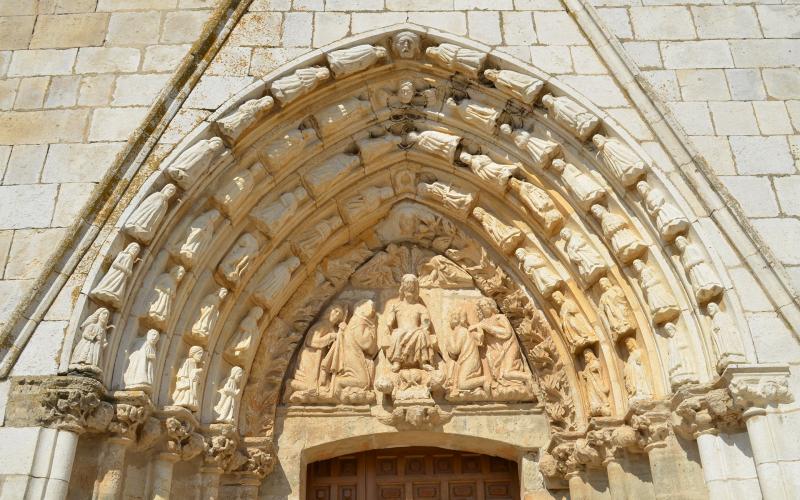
[(704, 409), (181, 438), (758, 386), (652, 419)]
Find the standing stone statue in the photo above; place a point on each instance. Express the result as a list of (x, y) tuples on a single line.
[(587, 261), (206, 318), (678, 367), (625, 244), (226, 406), (140, 373), (112, 287), (191, 164), (488, 170), (275, 282), (88, 351), (406, 45), (299, 83), (663, 306), (541, 151), (615, 311), (365, 203), (507, 238), (374, 149), (447, 196), (538, 203), (577, 330), (459, 59), (670, 221), (704, 280), (271, 218), (333, 119), (237, 352), (187, 380), (581, 184), (571, 115), (322, 178), (412, 341), (595, 383), (620, 159), (281, 152), (198, 237), (636, 383), (144, 221), (232, 195), (503, 357), (473, 113), (159, 302), (238, 258), (463, 346), (240, 120), (725, 337), (538, 269), (349, 362), (345, 62), (435, 143), (308, 243), (523, 87)]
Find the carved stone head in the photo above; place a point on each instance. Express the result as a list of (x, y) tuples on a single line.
[(152, 336), (406, 45), (169, 190), (196, 352), (409, 287), (487, 307), (337, 313)]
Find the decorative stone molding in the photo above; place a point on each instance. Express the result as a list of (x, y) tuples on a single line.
[(758, 386)]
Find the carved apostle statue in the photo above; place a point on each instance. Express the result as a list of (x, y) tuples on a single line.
[(412, 342)]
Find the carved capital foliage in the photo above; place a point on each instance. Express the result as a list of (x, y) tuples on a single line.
[(254, 460), (561, 457), (653, 422), (700, 409), (182, 440), (758, 386)]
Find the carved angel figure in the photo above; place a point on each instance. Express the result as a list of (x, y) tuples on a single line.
[(144, 221), (412, 341), (595, 383), (345, 62), (726, 338), (488, 170), (375, 148), (459, 59), (280, 153), (507, 238), (538, 269), (310, 382), (237, 122), (503, 357), (538, 203), (112, 287), (704, 280), (661, 302), (140, 372), (237, 259), (89, 349), (226, 406), (625, 244), (620, 159), (635, 375), (198, 237), (237, 352), (447, 196), (523, 87), (159, 302), (571, 115), (275, 282), (670, 221), (587, 261), (467, 377), (307, 243), (230, 197), (541, 151), (474, 113), (349, 362), (585, 189), (365, 202), (270, 218), (206, 318), (436, 143), (319, 179), (334, 119), (577, 330), (195, 161), (406, 45), (615, 311), (187, 379), (299, 83)]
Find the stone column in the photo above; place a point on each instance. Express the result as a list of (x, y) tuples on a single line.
[(531, 479), (616, 479), (249, 484), (209, 477), (182, 444), (162, 475), (111, 468), (578, 488), (756, 388), (55, 479)]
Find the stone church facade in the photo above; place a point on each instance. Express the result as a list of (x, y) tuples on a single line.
[(345, 249)]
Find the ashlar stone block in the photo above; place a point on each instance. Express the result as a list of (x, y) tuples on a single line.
[(69, 30)]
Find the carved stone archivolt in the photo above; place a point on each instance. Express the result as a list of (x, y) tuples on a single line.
[(425, 231)]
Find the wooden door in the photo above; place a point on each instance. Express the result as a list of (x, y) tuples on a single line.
[(417, 473)]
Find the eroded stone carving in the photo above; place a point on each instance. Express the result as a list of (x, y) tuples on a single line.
[(241, 344), (198, 237), (299, 83), (625, 244), (112, 287), (435, 143), (182, 440), (488, 170), (140, 373), (237, 122), (539, 204), (232, 195), (346, 62), (473, 113), (679, 366), (338, 117), (670, 221), (76, 407), (577, 330), (636, 383), (615, 311), (594, 381), (275, 282), (538, 269), (620, 159), (412, 340), (587, 261), (225, 408), (195, 161), (365, 203), (206, 318), (467, 377), (663, 306), (571, 115), (87, 353), (374, 148), (459, 59), (447, 196), (406, 45), (144, 221), (704, 280), (281, 152), (523, 87), (583, 187), (321, 178), (238, 258), (271, 217), (725, 337), (187, 380), (507, 238), (415, 416), (307, 244), (159, 301), (541, 151)]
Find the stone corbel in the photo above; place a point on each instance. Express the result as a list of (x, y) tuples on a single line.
[(755, 387)]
